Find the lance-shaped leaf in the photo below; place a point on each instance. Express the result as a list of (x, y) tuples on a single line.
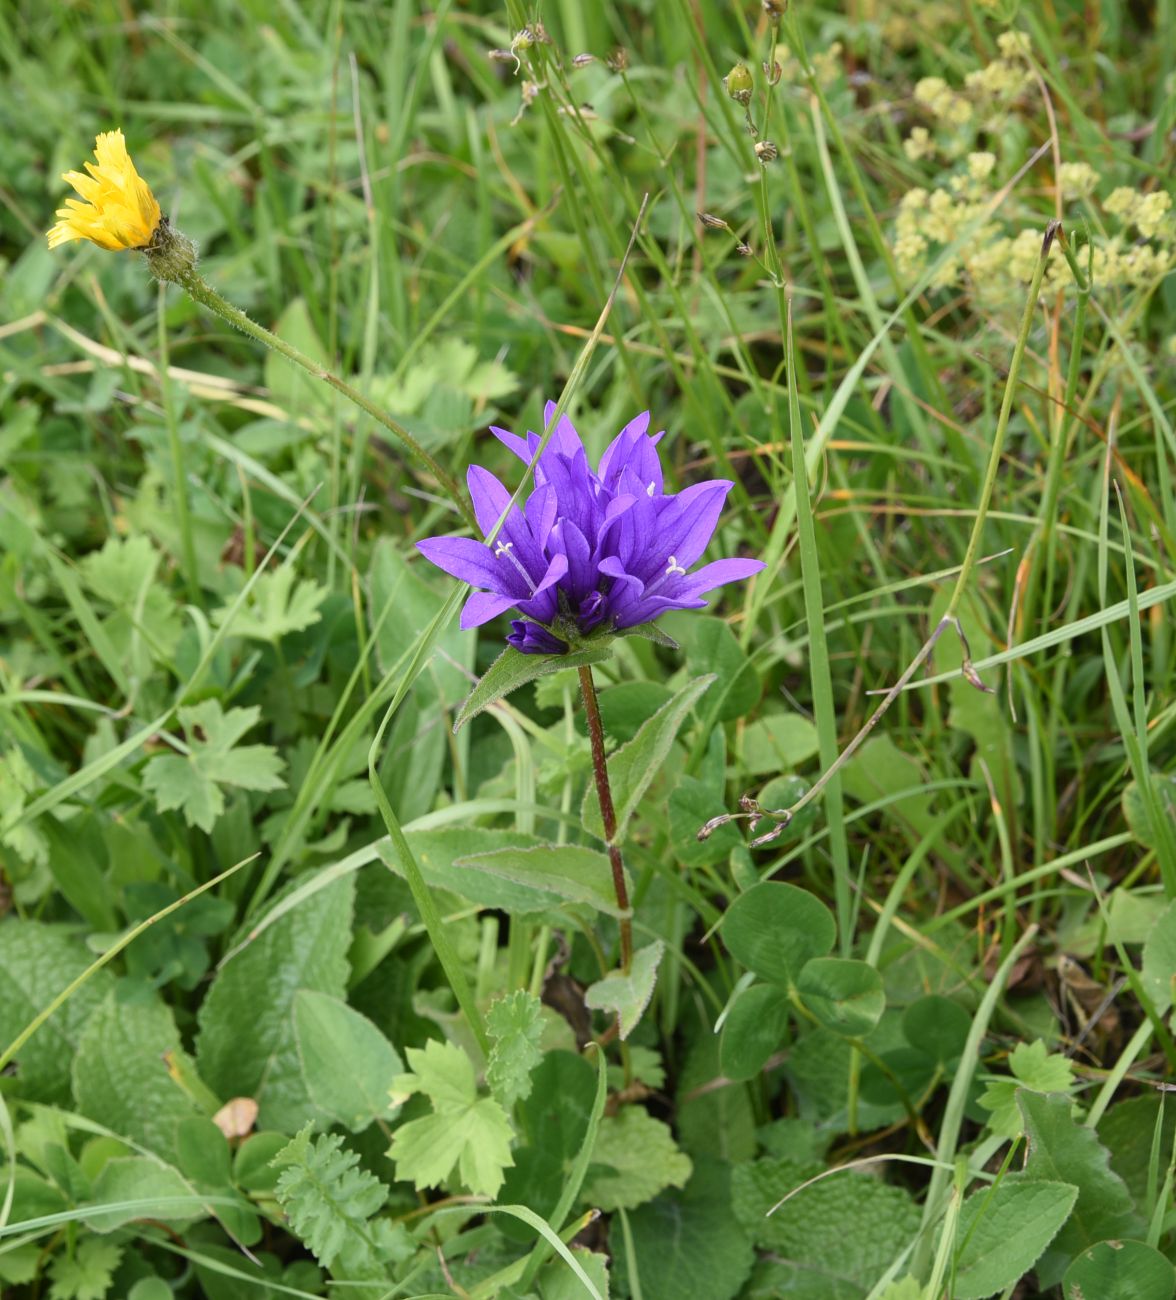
[(513, 669), (567, 870)]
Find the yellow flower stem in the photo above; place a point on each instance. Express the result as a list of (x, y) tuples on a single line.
[(176, 446), (207, 296)]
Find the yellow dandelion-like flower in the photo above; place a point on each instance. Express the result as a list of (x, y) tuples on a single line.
[(117, 209)]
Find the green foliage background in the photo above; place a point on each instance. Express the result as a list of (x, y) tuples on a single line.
[(952, 972)]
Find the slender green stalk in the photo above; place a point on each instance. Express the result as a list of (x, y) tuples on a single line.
[(176, 448), (199, 289)]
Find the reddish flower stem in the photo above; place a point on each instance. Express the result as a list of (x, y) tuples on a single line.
[(608, 813)]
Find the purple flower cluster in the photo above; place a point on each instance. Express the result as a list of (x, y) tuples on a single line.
[(591, 551)]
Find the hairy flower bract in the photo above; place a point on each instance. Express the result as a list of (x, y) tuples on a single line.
[(591, 551), (119, 211)]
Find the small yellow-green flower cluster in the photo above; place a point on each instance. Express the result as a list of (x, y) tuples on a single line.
[(1134, 240)]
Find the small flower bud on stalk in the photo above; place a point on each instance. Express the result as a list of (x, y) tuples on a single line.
[(618, 60), (712, 222), (766, 151), (775, 8), (583, 60), (739, 84)]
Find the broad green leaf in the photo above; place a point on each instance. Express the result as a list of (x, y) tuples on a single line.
[(775, 928), (693, 803), (554, 1120), (570, 871), (172, 1197), (937, 1027), (754, 1028), (290, 387), (631, 768), (639, 1159), (714, 648), (1159, 961), (515, 1023), (844, 995), (1004, 1230), (781, 742), (1062, 1151), (513, 669), (464, 1131), (880, 769), (1120, 1270), (849, 1227), (558, 1282), (121, 1077), (628, 994), (247, 1045), (192, 782), (1128, 1130), (689, 1242), (439, 852), (278, 604), (347, 1063), (412, 602), (711, 1118), (1135, 810), (36, 963)]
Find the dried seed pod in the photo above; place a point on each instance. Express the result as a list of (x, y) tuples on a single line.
[(714, 223), (766, 151), (618, 59)]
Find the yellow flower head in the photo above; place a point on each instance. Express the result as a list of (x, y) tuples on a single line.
[(119, 211)]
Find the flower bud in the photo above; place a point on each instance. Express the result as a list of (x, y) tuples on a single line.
[(583, 60), (618, 60), (775, 8), (738, 82), (766, 151), (714, 223)]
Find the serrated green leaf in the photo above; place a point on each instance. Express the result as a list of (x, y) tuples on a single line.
[(247, 1045), (330, 1202), (36, 962), (640, 1159), (121, 1076), (464, 1131), (651, 632), (1004, 1230), (278, 604), (347, 1063), (515, 1023), (513, 669), (1062, 1151), (775, 928), (1033, 1067), (846, 996), (569, 871), (628, 994), (689, 1243), (86, 1273), (192, 782), (631, 768), (1120, 1270)]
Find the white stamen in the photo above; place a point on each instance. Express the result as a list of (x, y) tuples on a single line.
[(674, 567), (504, 550)]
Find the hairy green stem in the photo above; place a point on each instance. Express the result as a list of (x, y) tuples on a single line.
[(199, 289), (607, 812)]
